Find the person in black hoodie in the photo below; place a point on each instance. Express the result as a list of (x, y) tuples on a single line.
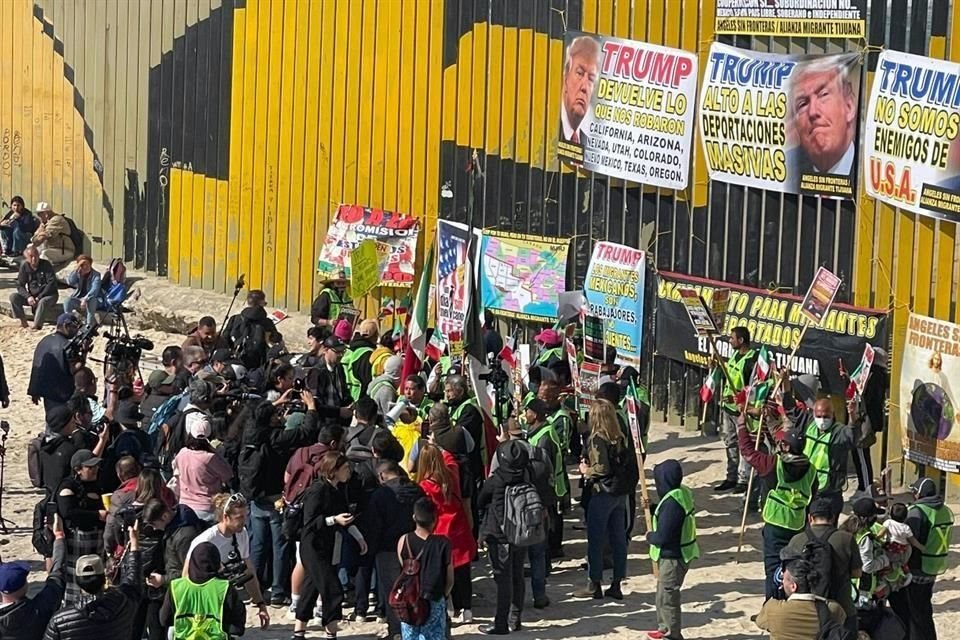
[(178, 535), (505, 559), (388, 517), (931, 522), (101, 614), (23, 618), (250, 332), (266, 449)]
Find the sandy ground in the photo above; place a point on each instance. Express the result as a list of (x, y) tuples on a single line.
[(719, 596)]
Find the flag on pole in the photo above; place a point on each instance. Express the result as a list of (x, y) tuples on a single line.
[(761, 371), (710, 385), (633, 410), (416, 342)]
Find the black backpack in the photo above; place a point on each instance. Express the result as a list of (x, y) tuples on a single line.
[(830, 629), (818, 553), (34, 465), (248, 342), (76, 236)]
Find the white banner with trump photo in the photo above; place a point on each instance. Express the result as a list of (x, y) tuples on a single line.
[(783, 123), (626, 109)]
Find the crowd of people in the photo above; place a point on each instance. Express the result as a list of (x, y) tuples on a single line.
[(340, 485)]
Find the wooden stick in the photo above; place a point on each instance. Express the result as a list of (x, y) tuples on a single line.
[(645, 500), (753, 472)]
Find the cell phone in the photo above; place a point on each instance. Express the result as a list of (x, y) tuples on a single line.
[(298, 384), (50, 510), (352, 508)]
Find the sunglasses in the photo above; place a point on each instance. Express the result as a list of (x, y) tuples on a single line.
[(237, 499)]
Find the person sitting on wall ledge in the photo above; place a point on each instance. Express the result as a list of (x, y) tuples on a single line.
[(54, 236)]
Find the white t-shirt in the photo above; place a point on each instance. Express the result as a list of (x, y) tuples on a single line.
[(223, 543), (898, 531)]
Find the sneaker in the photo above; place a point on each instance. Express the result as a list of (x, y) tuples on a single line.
[(466, 617), (592, 590), (490, 630), (740, 487), (656, 635), (614, 591), (279, 600), (515, 626), (541, 603), (726, 485)]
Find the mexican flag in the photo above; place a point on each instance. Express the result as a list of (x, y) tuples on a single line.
[(417, 331), (710, 385), (762, 369)]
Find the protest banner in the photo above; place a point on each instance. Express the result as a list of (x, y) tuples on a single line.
[(910, 149), (395, 232), (626, 109), (571, 352), (696, 308), (791, 18), (614, 290), (521, 276), (718, 306), (453, 242), (929, 408), (775, 321), (782, 123), (820, 295), (365, 272), (589, 383), (593, 344)]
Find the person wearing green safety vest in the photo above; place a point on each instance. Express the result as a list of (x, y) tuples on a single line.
[(356, 361), (739, 368), (327, 306), (551, 348), (792, 477), (201, 605), (415, 392), (932, 524), (673, 545), (562, 425), (465, 413)]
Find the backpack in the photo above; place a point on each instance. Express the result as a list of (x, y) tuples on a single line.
[(818, 553), (166, 449), (76, 236), (42, 537), (113, 288), (404, 597), (34, 465), (830, 629), (524, 516), (162, 415), (248, 342), (293, 510)]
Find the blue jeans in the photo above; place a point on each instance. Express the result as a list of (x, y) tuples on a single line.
[(607, 520), (72, 305), (266, 536), (538, 570), (14, 240)]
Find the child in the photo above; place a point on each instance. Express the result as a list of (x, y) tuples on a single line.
[(436, 571), (897, 538)]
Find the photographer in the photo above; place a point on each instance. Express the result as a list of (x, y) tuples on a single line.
[(202, 604), (87, 435), (85, 382), (232, 541), (23, 618), (81, 507), (266, 449), (51, 378), (153, 519)]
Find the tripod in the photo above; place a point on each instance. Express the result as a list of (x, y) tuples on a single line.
[(4, 432)]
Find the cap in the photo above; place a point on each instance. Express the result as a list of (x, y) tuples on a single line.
[(821, 508), (89, 565), (341, 276), (58, 417), (793, 439), (335, 343), (866, 508), (256, 297), (343, 330), (538, 406), (924, 487), (220, 355), (199, 426), (84, 458), (42, 206), (393, 367), (127, 413), (13, 575), (369, 328), (549, 337), (66, 318)]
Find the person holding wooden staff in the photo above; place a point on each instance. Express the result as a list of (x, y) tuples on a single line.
[(739, 368)]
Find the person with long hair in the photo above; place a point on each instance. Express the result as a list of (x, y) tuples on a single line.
[(200, 472), (326, 515), (607, 511), (442, 486)]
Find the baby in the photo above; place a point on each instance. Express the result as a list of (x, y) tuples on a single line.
[(898, 544)]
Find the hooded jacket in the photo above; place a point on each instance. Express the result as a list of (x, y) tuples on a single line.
[(178, 535), (918, 523), (390, 514), (252, 315), (106, 616), (668, 475), (512, 463), (362, 367), (55, 454), (266, 450), (51, 376), (384, 389)]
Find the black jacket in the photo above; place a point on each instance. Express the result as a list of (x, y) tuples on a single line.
[(27, 619), (79, 504), (109, 615), (318, 380), (390, 514), (668, 475), (322, 500), (266, 451), (918, 523), (513, 468), (178, 535), (51, 376), (55, 454), (39, 283), (236, 325)]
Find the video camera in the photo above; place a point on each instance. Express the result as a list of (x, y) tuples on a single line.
[(235, 568), (125, 348), (81, 344)]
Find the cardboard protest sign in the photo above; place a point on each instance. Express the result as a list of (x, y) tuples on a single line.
[(365, 274), (718, 306), (700, 317)]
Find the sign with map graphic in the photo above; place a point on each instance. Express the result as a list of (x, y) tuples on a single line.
[(522, 276)]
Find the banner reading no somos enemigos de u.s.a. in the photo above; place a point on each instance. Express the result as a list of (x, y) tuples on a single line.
[(627, 109), (783, 123)]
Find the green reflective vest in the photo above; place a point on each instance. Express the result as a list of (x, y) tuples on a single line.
[(934, 557), (739, 377), (351, 357), (553, 352), (455, 417), (689, 548), (786, 505), (868, 582), (336, 303), (559, 483), (562, 426), (817, 450), (379, 384), (424, 408), (198, 609)]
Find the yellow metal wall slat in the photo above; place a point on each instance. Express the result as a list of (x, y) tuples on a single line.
[(419, 157), (539, 118), (508, 102), (326, 124), (297, 203), (265, 67), (7, 133), (494, 89), (434, 119), (272, 149), (310, 209), (407, 106), (524, 98), (378, 100), (340, 106), (391, 69), (351, 121), (287, 146)]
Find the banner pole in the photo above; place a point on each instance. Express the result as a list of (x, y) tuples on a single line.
[(753, 472), (645, 501)]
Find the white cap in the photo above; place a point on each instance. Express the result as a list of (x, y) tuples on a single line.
[(198, 426), (42, 206)]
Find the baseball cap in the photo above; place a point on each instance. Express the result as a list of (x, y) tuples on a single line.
[(84, 458), (58, 417), (340, 276), (220, 355), (42, 206), (13, 575), (199, 427), (792, 437), (538, 406), (368, 328), (67, 318), (548, 336), (821, 508), (866, 508), (89, 565), (335, 343), (924, 487)]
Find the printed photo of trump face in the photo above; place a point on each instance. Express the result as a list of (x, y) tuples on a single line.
[(581, 69), (822, 101)]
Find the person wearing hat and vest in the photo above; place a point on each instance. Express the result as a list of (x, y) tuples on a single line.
[(326, 307), (932, 524), (383, 388), (673, 546), (551, 348), (356, 361), (793, 479), (52, 237), (26, 618), (739, 369), (465, 413), (562, 427), (542, 435), (202, 605)]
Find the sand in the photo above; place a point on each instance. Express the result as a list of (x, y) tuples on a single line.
[(719, 595)]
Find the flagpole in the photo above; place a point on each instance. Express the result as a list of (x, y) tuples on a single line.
[(753, 471)]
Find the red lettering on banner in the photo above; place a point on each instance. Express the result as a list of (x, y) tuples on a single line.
[(655, 67)]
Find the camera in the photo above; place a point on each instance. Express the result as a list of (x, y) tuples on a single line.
[(125, 349), (235, 569), (80, 345), (129, 516)]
